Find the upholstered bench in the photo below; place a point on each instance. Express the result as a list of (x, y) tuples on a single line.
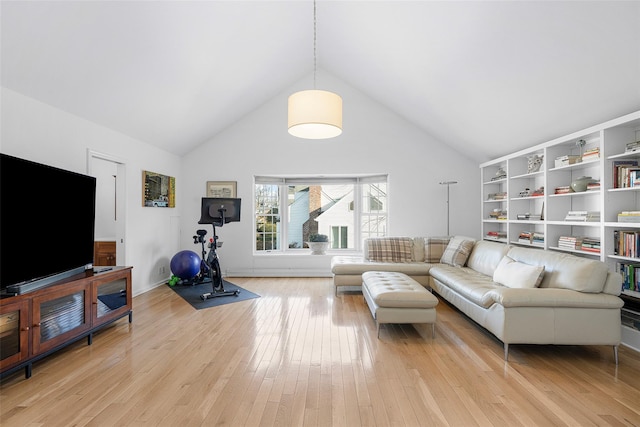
[(394, 297)]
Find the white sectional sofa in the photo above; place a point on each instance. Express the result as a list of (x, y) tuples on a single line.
[(521, 295)]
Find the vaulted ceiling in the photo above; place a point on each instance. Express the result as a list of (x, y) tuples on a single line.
[(485, 77)]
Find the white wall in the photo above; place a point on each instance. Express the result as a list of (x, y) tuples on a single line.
[(38, 132), (374, 140)]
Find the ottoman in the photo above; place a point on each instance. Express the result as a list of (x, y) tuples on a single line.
[(397, 298)]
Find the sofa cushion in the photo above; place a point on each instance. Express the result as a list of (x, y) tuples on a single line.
[(418, 249), (486, 256), (457, 251), (564, 271), (434, 248), (466, 282), (514, 274), (390, 249), (355, 265)]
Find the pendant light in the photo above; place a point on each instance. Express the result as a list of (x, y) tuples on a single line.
[(315, 114)]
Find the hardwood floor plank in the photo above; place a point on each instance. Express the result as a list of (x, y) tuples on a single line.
[(299, 355)]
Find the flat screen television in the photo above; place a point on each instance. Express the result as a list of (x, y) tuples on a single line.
[(210, 212), (47, 221)]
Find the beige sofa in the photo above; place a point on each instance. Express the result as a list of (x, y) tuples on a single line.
[(521, 295)]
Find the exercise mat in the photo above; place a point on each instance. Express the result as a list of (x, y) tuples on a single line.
[(192, 293)]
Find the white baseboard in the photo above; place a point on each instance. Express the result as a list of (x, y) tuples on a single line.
[(137, 292), (277, 273)]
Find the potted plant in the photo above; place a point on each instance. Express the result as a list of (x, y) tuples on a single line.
[(319, 243)]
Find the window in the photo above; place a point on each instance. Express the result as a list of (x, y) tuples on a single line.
[(346, 209), (339, 237)]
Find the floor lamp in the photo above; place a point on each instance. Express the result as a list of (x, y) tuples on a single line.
[(448, 184)]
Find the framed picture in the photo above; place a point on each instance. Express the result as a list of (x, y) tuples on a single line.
[(227, 189), (158, 191)]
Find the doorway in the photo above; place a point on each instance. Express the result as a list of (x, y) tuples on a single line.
[(109, 172)]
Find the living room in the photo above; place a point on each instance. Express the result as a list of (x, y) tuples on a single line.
[(41, 121)]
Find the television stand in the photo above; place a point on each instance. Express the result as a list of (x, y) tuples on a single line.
[(38, 323)]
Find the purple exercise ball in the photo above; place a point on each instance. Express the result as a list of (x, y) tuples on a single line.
[(185, 264)]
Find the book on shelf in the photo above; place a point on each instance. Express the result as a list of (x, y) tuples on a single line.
[(563, 189), (626, 243), (528, 216), (537, 238), (497, 196), (630, 276), (583, 216), (540, 192), (566, 160), (629, 216), (499, 214), (632, 147), (591, 154), (570, 242), (496, 235), (525, 237), (593, 186), (591, 244), (620, 171)]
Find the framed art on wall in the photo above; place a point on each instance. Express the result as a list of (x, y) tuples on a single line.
[(158, 191), (225, 189)]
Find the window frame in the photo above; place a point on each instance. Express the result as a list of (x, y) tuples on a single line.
[(284, 181)]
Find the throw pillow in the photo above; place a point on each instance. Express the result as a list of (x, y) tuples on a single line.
[(514, 274), (434, 248), (390, 249), (457, 251)]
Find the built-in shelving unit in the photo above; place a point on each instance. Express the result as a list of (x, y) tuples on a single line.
[(549, 216)]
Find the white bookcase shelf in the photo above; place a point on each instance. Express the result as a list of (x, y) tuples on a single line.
[(610, 138)]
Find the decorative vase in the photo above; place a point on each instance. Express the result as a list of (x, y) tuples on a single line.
[(318, 248), (580, 184)]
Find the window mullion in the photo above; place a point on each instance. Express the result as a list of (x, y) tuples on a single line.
[(357, 207), (284, 217)]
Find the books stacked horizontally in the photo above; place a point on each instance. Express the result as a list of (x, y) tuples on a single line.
[(626, 173), (591, 154), (632, 147), (529, 217), (525, 237), (498, 214), (583, 216), (570, 242), (563, 189), (566, 160), (496, 235), (537, 239), (629, 216), (591, 244), (497, 196), (593, 186), (531, 237)]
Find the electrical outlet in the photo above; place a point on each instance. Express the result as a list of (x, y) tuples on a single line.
[(162, 270)]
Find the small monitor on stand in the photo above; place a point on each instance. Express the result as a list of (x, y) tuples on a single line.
[(219, 211)]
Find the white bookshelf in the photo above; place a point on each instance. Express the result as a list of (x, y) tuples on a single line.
[(610, 138)]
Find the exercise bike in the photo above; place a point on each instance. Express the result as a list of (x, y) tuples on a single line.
[(210, 264)]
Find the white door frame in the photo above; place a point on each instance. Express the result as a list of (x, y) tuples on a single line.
[(121, 197)]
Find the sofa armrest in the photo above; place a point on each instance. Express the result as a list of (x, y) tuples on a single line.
[(549, 297)]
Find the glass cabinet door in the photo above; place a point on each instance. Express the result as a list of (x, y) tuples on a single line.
[(58, 315), (110, 296), (14, 333)]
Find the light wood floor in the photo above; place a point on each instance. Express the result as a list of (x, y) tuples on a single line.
[(300, 356)]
